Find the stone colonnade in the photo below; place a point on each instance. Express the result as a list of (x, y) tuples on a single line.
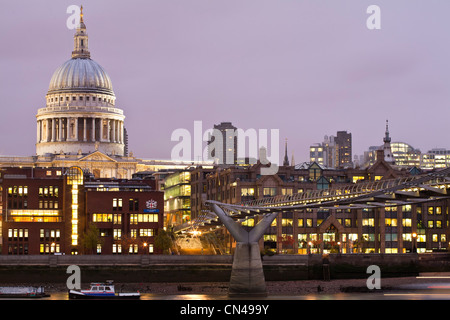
[(92, 129)]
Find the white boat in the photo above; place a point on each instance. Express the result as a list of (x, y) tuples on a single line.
[(102, 290)]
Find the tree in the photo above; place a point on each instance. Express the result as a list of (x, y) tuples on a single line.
[(163, 241), (91, 239)]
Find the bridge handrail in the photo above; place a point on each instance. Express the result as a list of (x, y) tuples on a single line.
[(352, 190), (314, 197)]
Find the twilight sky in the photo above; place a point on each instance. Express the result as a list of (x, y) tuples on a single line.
[(308, 68)]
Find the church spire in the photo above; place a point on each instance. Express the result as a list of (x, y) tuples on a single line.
[(81, 49), (388, 156), (286, 158), (386, 135)]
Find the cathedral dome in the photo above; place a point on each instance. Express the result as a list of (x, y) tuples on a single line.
[(80, 75), (80, 116)]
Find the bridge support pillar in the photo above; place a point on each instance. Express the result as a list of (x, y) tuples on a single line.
[(247, 275)]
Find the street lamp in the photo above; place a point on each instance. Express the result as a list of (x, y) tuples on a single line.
[(414, 236), (196, 233), (145, 247)]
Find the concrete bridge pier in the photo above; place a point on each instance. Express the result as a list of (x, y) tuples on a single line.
[(247, 275)]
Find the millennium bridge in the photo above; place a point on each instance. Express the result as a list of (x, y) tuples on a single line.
[(247, 276)]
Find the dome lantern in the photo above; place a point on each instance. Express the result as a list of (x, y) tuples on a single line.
[(81, 49)]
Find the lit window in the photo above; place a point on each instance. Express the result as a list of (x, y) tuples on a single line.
[(357, 178), (391, 222), (421, 238), (117, 248), (117, 219), (348, 222), (406, 222), (406, 237), (146, 232), (270, 192), (247, 192), (117, 234)]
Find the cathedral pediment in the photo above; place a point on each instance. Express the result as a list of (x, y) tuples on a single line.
[(97, 156)]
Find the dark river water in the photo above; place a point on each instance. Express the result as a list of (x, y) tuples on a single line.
[(339, 296)]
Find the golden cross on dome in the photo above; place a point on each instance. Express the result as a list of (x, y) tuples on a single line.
[(81, 14)]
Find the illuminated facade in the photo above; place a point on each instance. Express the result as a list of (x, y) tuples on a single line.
[(318, 154), (33, 218), (343, 149), (403, 155), (407, 156), (334, 151), (177, 198), (74, 187), (435, 158), (350, 230), (52, 211)]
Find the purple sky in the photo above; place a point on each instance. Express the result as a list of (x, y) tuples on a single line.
[(309, 68)]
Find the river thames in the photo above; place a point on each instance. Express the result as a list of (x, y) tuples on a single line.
[(394, 295)]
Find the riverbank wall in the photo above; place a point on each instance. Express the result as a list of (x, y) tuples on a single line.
[(211, 268)]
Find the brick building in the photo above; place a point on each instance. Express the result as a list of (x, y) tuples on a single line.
[(51, 211), (421, 227)]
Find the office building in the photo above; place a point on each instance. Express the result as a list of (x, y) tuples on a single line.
[(67, 211)]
